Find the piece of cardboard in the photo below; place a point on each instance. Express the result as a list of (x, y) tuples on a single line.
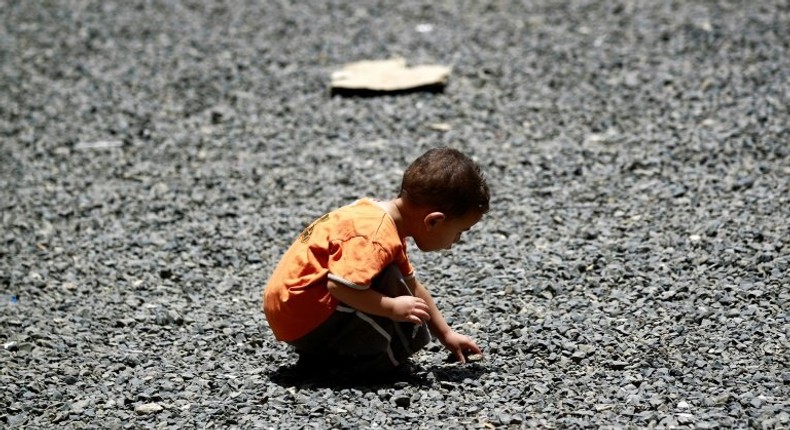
[(388, 76)]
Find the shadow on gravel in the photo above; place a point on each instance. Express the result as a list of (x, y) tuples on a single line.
[(361, 93), (291, 376), (458, 373)]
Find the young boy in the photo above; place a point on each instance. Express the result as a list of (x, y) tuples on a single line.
[(345, 293)]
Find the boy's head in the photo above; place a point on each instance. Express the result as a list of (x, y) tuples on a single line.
[(452, 193), (447, 181)]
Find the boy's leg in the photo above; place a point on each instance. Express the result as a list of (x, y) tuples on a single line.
[(364, 341), (348, 339), (408, 338)]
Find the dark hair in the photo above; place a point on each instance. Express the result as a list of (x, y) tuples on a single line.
[(446, 179)]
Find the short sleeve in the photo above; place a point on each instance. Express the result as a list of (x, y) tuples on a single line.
[(356, 261), (405, 267)]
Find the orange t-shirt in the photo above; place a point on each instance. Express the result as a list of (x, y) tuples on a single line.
[(350, 246)]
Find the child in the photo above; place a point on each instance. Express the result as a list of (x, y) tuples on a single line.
[(345, 293)]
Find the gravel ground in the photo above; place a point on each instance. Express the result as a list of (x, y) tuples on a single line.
[(158, 157)]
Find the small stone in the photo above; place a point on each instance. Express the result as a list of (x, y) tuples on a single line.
[(678, 191), (148, 408), (16, 420), (100, 144), (470, 357), (79, 407), (540, 388), (440, 126), (503, 418), (175, 317), (473, 358), (743, 183), (25, 347), (685, 418)]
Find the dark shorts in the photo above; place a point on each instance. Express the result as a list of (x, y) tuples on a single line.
[(366, 341)]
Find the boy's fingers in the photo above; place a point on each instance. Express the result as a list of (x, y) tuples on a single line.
[(473, 348), (422, 308)]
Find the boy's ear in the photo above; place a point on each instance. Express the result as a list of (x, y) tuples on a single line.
[(433, 219)]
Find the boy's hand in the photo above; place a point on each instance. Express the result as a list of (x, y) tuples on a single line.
[(410, 309), (459, 344)]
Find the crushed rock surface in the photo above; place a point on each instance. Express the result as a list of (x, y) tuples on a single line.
[(157, 158)]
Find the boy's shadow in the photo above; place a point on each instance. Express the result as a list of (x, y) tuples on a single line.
[(292, 376)]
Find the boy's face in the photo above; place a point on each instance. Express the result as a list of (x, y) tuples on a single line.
[(441, 232)]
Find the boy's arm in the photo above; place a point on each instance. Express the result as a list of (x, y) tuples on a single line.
[(457, 343), (402, 308)]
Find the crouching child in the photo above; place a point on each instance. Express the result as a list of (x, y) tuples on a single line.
[(345, 294)]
